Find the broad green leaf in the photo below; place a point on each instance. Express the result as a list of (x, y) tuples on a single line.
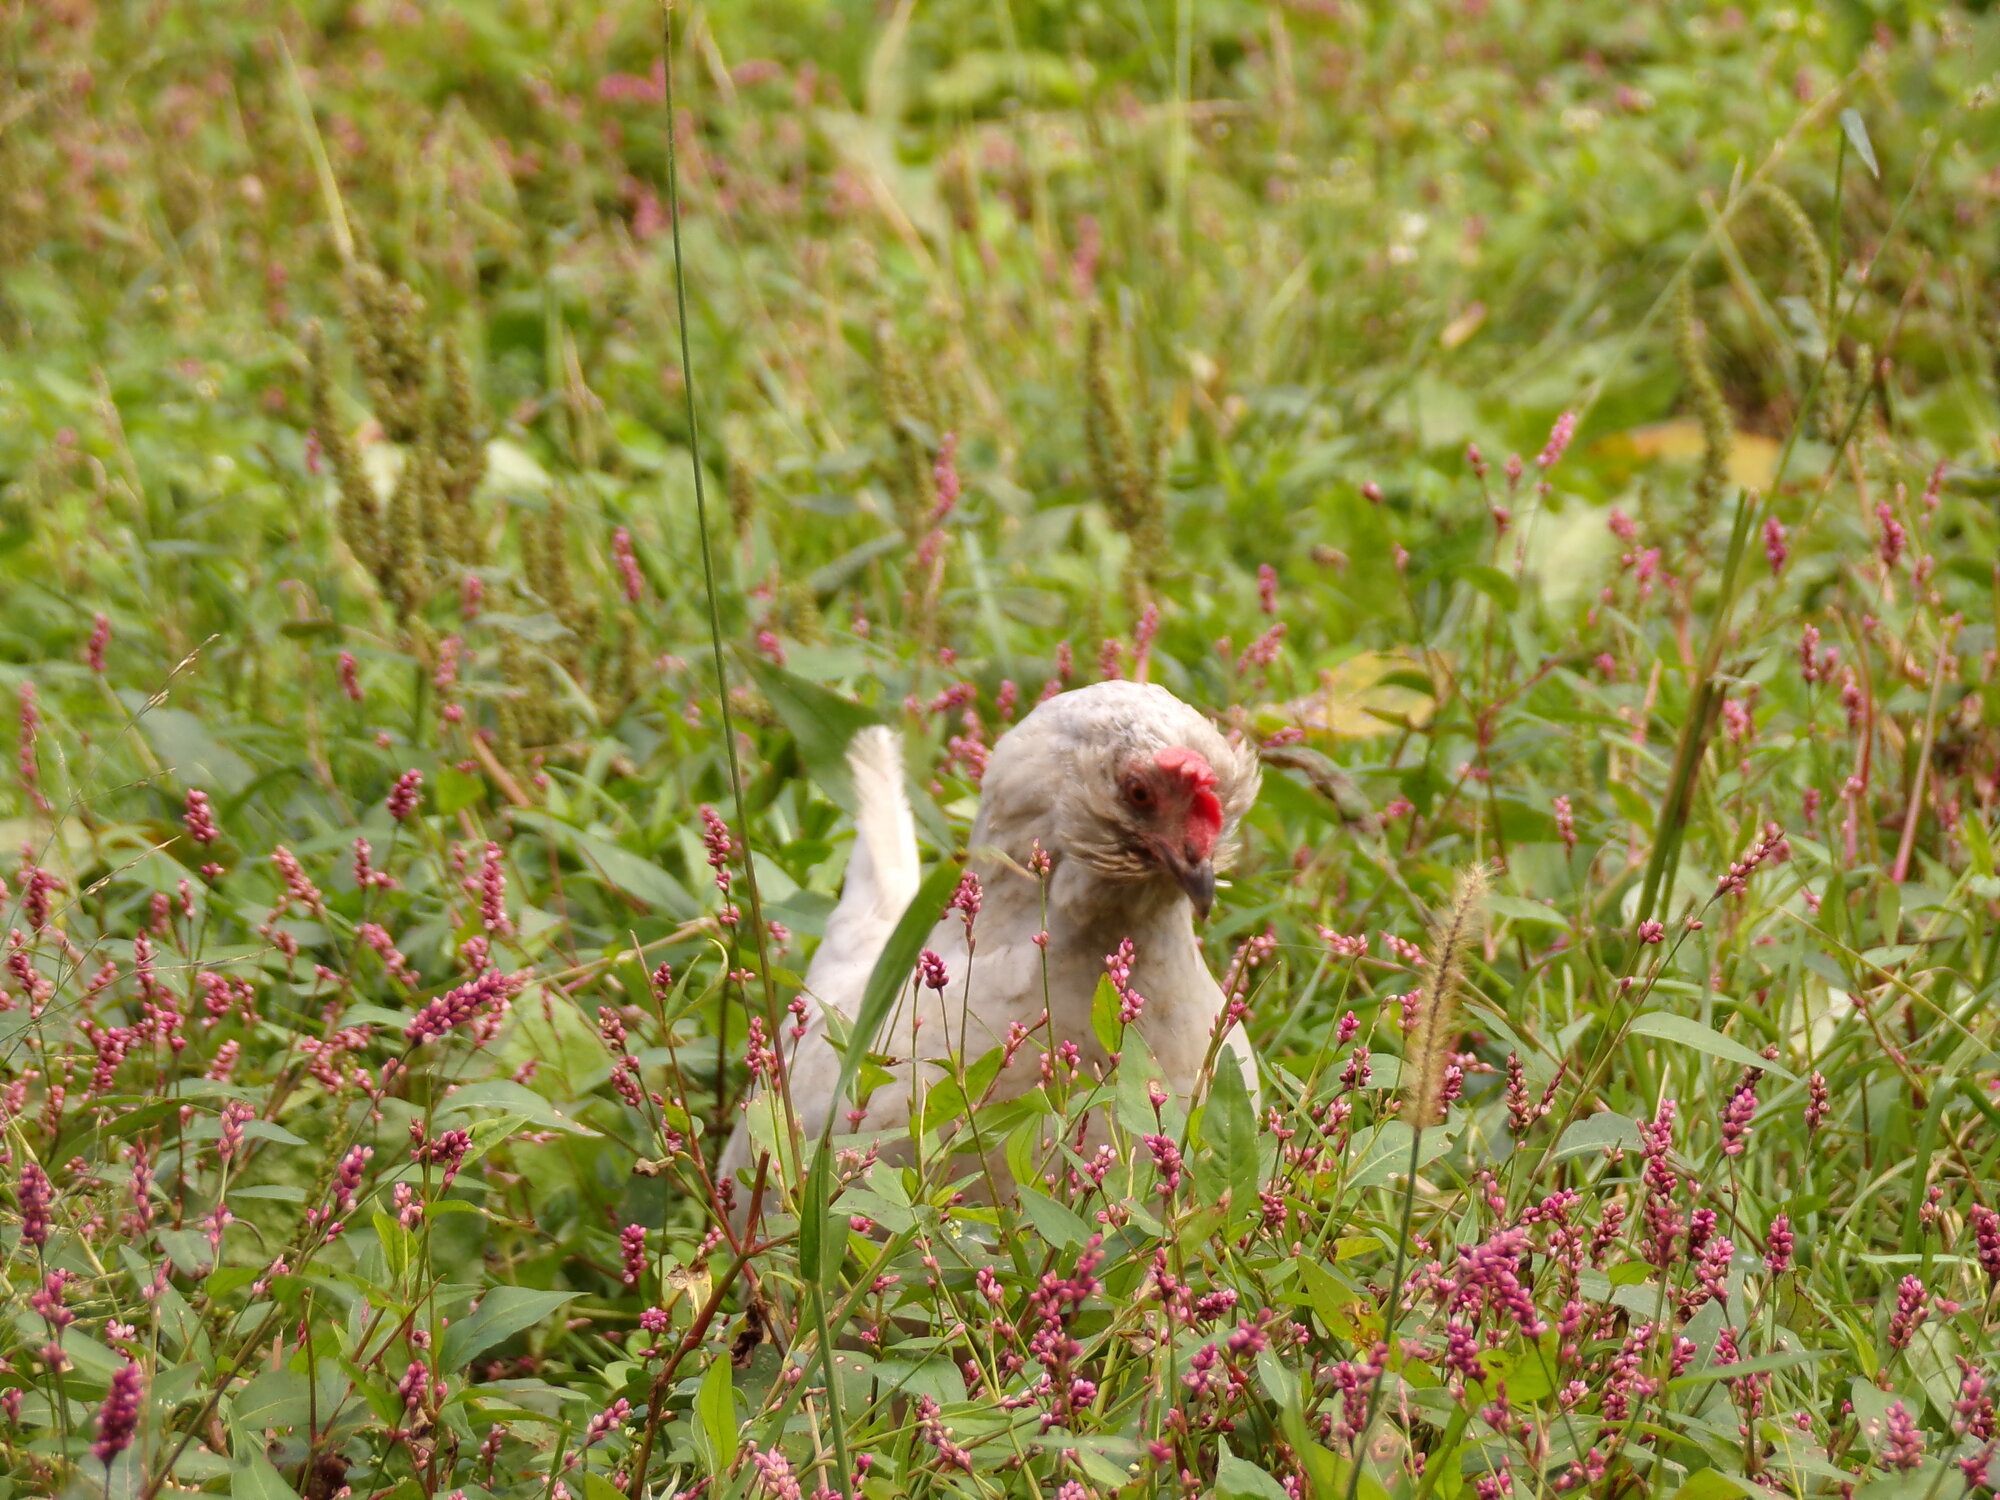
[(823, 723), (255, 1479), (1667, 1027), (715, 1405), (1104, 1022), (1710, 1484), (1787, 1359), (621, 869), (515, 1098), (456, 790), (1057, 1223), (885, 984), (1385, 1152), (1494, 584), (1239, 1479), (503, 1312), (1605, 1129), (1229, 1129), (276, 1398)]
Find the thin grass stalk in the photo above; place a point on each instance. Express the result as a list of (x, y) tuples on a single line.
[(721, 669), (1424, 1062), (1703, 708)]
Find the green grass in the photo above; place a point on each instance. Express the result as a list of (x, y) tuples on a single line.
[(1212, 302)]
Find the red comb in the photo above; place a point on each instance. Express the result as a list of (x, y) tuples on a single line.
[(1204, 822), (1187, 764)]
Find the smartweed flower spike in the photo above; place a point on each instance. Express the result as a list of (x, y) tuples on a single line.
[(1430, 1043), (118, 1418), (199, 818)]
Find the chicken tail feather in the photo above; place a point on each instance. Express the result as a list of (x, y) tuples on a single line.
[(884, 872)]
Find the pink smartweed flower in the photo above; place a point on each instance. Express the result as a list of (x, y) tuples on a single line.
[(1912, 1308), (629, 577), (931, 971), (1985, 1239), (118, 1418), (967, 899), (607, 1422), (944, 478), (1778, 1243), (1167, 1158), (1558, 443), (716, 840), (493, 892), (632, 1247), (25, 760), (199, 818), (1819, 1101), (1267, 588), (100, 637), (1894, 537), (405, 794), (454, 1008), (1736, 1117), (1142, 640), (1118, 967), (1902, 1440), (36, 1195), (298, 887), (1775, 550)]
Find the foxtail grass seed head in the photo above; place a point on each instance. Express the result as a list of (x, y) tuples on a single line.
[(1125, 484), (386, 321), (359, 515), (460, 456), (1429, 1046), (1704, 394)]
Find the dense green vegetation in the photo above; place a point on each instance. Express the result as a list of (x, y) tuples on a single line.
[(1560, 435)]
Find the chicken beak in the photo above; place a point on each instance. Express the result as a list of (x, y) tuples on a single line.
[(1197, 877)]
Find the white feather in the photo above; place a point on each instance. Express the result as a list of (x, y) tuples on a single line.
[(1046, 784)]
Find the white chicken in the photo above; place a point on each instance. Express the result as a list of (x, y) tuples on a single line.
[(1132, 796)]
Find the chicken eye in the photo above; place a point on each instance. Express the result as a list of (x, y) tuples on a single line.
[(1138, 793)]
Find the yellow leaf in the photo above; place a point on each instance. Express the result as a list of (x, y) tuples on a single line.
[(1463, 327), (1354, 702), (1753, 458)]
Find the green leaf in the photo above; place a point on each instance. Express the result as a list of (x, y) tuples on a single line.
[(1689, 1032), (715, 1405), (277, 1398), (1055, 1222), (818, 1238), (1787, 1359), (823, 723), (1857, 137), (1229, 1129), (1711, 1484), (540, 628), (457, 790), (1239, 1479), (1104, 1022), (1386, 1153), (255, 1479), (619, 868), (515, 1098), (503, 1312), (1590, 1137), (1494, 584)]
